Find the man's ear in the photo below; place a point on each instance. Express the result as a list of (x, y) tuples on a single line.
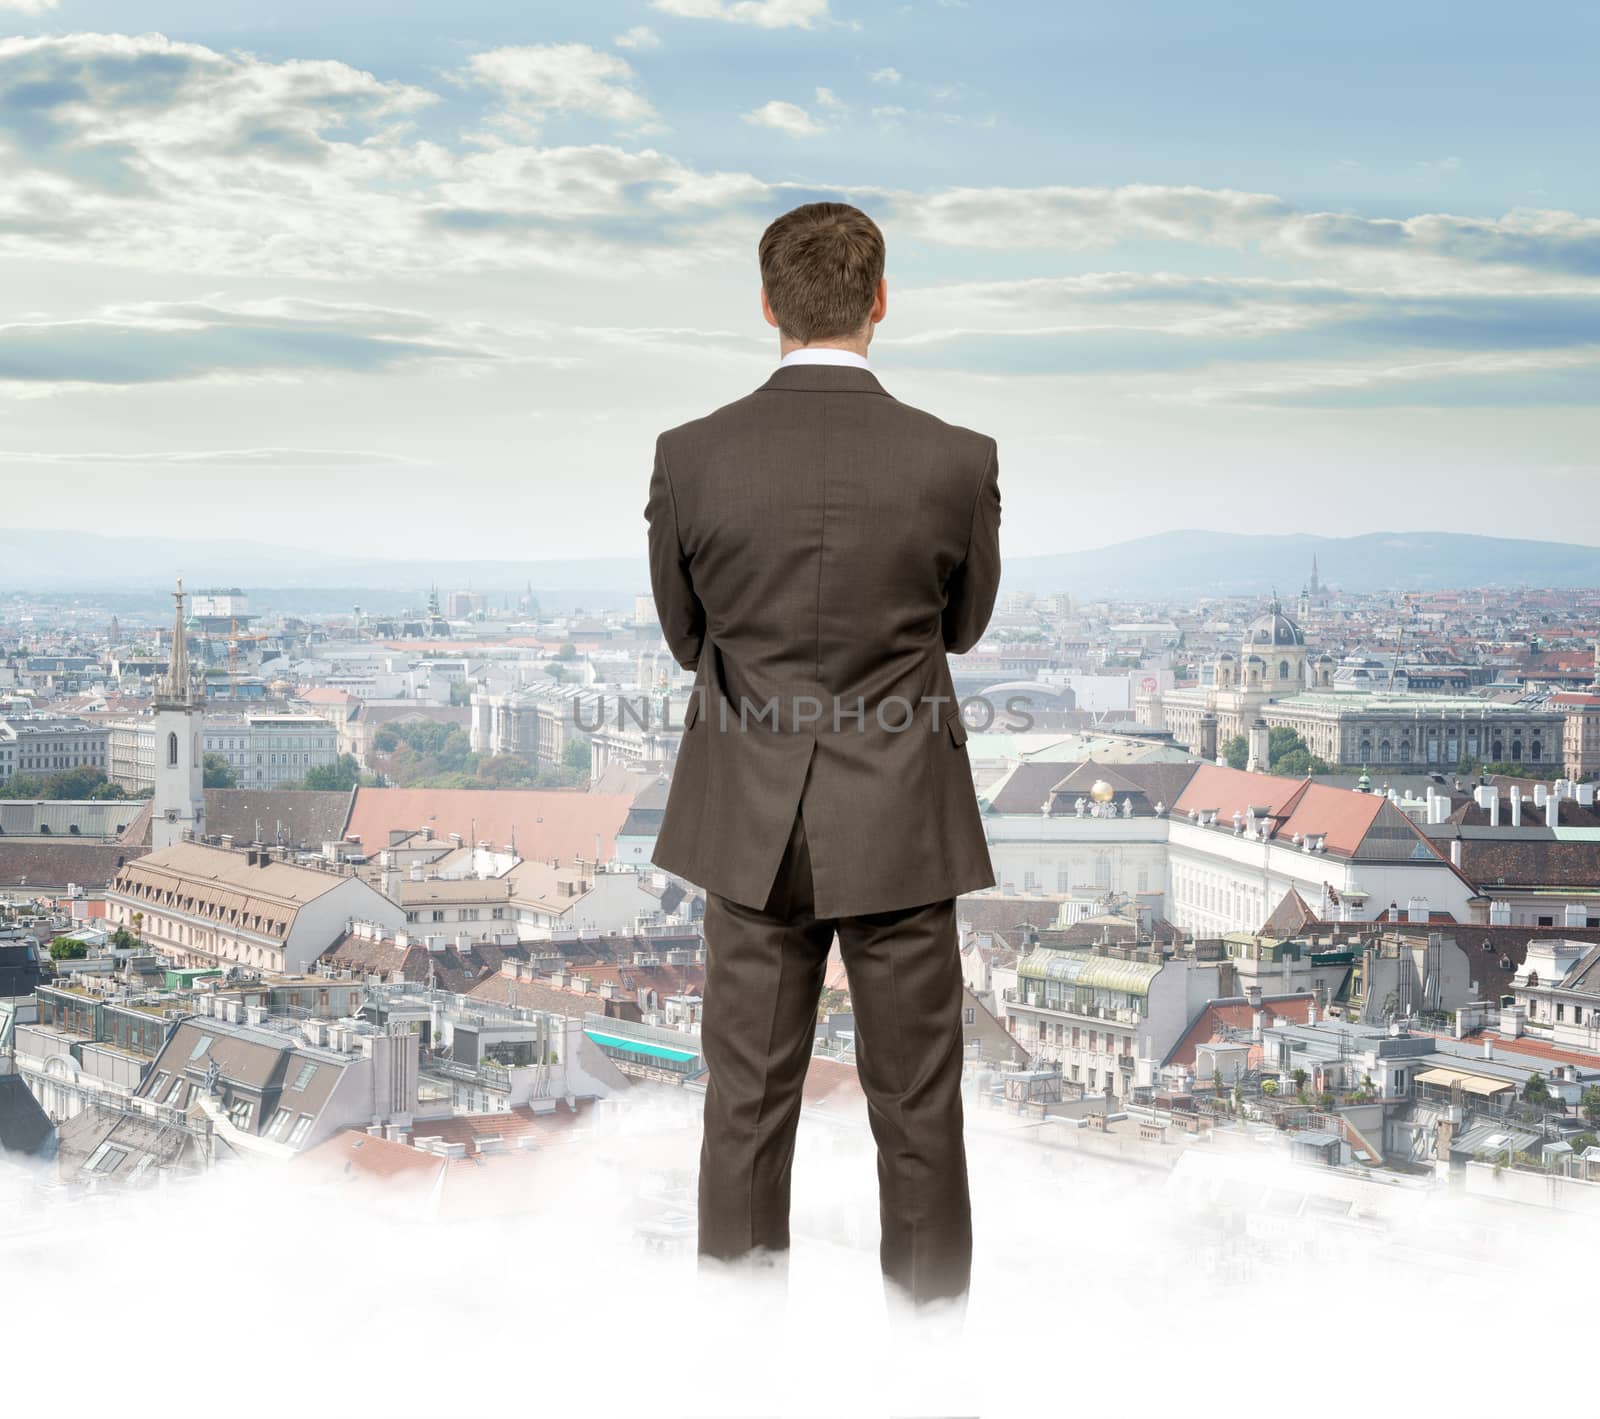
[(880, 301), (766, 310)]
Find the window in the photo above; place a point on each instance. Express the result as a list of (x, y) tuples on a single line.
[(177, 1089), (307, 1073), (301, 1128), (239, 1113), (1561, 1011), (201, 1046), (969, 1016), (172, 751), (105, 1159)]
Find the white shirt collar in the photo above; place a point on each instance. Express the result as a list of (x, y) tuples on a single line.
[(823, 355)]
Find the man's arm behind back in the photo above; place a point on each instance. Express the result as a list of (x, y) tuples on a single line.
[(682, 617), (970, 593)]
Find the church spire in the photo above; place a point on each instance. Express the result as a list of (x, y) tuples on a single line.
[(179, 688)]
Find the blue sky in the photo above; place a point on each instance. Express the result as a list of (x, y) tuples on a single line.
[(430, 277)]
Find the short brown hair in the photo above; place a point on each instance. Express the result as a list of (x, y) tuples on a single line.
[(820, 265)]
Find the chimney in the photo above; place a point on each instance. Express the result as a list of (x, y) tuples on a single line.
[(1455, 853), (1584, 794), (1516, 805), (1552, 810), (1417, 909), (1494, 808), (1488, 1049)]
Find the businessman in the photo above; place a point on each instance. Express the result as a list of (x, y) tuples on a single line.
[(816, 548)]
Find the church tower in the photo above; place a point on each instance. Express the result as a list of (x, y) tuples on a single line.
[(179, 803)]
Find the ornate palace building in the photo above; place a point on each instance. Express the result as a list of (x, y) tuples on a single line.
[(1275, 682)]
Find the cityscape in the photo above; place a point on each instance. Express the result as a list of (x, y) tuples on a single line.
[(1295, 940)]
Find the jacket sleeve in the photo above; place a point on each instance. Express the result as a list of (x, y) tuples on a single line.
[(970, 593), (683, 619)]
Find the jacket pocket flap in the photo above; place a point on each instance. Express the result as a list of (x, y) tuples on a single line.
[(958, 728), (692, 711)]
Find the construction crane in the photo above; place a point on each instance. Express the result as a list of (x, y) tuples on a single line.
[(234, 639)]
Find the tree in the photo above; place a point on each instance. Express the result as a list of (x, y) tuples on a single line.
[(1289, 754), (1536, 1091), (568, 651), (461, 692), (124, 940), (67, 948), (1301, 763), (386, 740), (1590, 1104), (218, 772), (1236, 752), (578, 756), (76, 783), (338, 777)]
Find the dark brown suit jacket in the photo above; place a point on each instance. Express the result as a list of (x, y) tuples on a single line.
[(820, 543)]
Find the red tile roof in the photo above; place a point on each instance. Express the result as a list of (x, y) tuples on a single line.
[(1238, 1015), (559, 1126), (1524, 1044), (1301, 806), (548, 824)]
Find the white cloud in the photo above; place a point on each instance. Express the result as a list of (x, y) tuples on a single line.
[(888, 75), (1553, 244), (28, 7), (221, 458), (1395, 383), (787, 118), (167, 342), (766, 14), (143, 152), (536, 79), (639, 37)]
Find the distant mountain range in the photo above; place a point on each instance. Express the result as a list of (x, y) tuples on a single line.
[(1184, 564), (1193, 564)]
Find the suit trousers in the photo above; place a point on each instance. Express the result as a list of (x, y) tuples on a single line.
[(764, 974)]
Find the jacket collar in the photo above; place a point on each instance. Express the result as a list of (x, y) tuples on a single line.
[(826, 379)]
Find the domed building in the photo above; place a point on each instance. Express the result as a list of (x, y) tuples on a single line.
[(1275, 682), (1273, 663)]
